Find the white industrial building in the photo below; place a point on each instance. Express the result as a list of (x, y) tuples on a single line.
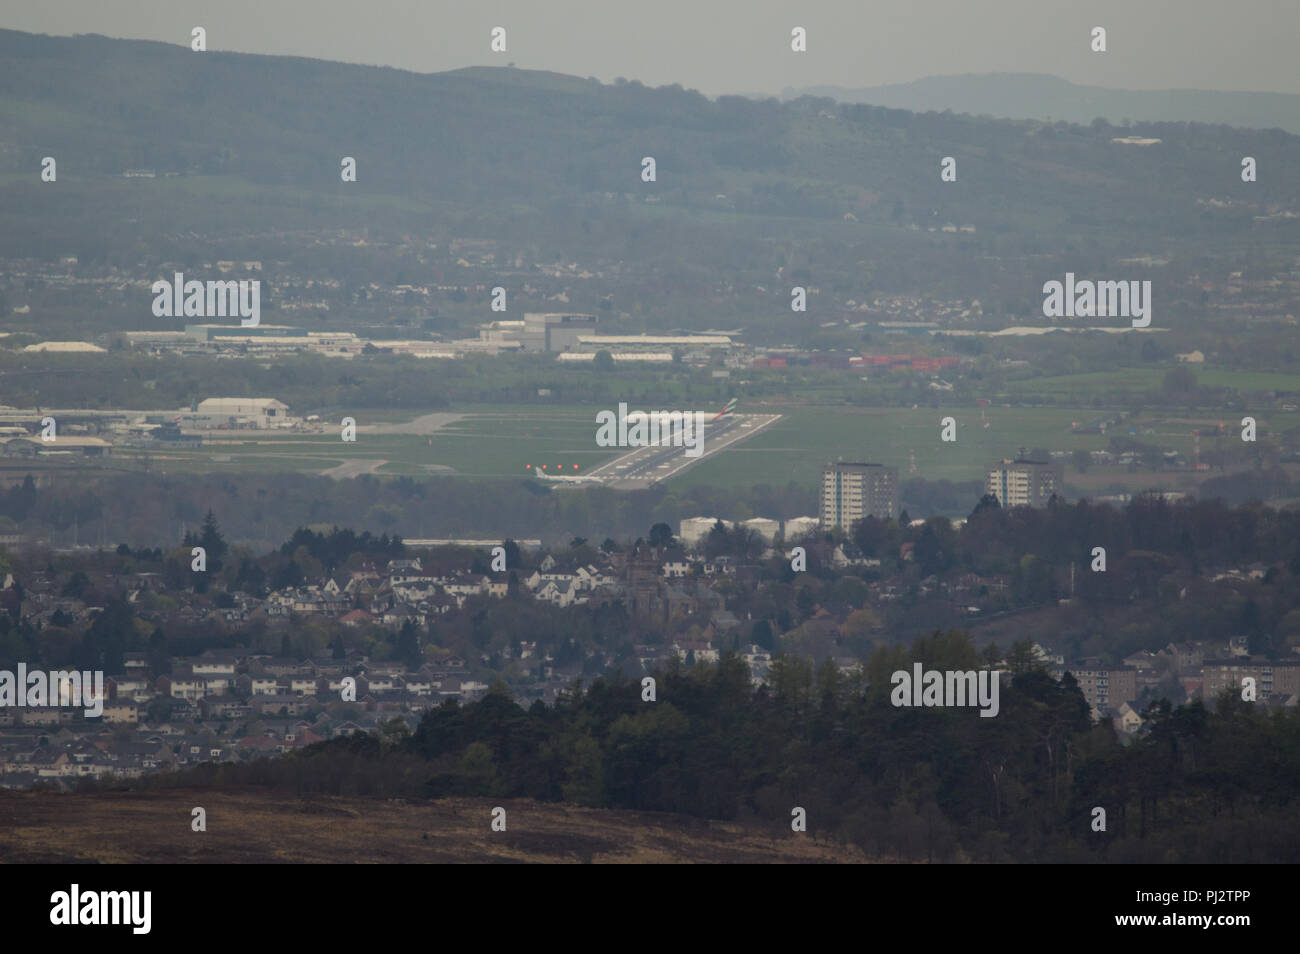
[(765, 528), (798, 526), (695, 529), (65, 347), (554, 331), (652, 342), (238, 412), (620, 357)]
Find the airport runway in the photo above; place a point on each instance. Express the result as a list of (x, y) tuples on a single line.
[(643, 466)]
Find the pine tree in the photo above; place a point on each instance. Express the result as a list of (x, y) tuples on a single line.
[(211, 540)]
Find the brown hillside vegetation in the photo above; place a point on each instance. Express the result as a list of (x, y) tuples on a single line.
[(255, 827)]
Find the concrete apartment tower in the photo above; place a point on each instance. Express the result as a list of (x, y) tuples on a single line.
[(851, 491), (1024, 482)]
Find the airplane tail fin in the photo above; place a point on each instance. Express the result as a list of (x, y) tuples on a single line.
[(727, 409)]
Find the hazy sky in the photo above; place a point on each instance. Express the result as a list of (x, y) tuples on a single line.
[(727, 46)]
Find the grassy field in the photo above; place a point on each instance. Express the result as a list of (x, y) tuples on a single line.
[(261, 827), (795, 447), (500, 442)]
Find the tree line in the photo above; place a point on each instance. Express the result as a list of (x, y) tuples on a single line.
[(1201, 785)]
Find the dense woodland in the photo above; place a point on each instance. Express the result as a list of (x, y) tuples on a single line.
[(150, 509)]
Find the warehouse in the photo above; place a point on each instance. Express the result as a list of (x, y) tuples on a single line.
[(238, 412)]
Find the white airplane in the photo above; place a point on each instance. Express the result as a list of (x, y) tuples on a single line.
[(667, 422), (564, 478)]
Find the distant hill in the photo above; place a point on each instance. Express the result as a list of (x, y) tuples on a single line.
[(498, 140), (246, 154), (1040, 96)]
